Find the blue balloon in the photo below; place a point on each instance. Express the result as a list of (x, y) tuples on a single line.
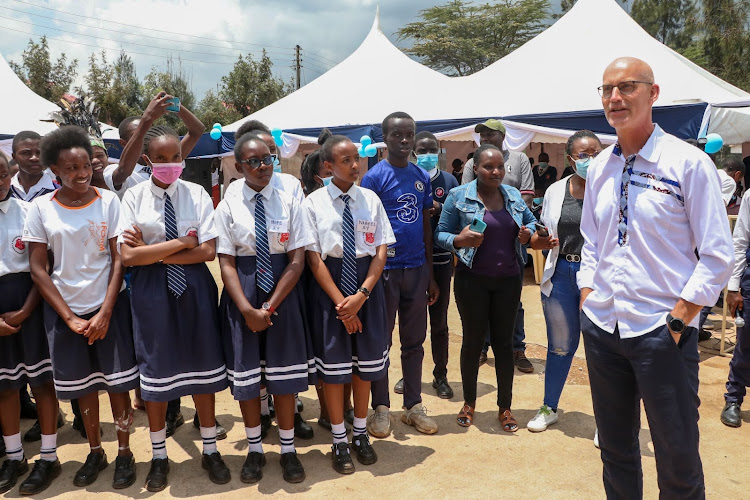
[(714, 142), (371, 150), (278, 140), (217, 125), (361, 152), (365, 141), (215, 134)]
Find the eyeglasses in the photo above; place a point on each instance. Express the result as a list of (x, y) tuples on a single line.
[(625, 88), (583, 156), (255, 162)]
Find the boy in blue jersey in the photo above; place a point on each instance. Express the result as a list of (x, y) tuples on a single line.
[(404, 190)]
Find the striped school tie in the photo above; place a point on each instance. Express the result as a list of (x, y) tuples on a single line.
[(264, 274), (349, 265), (176, 281)]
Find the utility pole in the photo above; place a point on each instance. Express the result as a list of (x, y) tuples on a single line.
[(298, 66)]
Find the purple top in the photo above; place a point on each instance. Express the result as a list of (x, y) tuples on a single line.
[(496, 256)]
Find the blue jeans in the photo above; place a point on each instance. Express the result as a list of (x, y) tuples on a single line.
[(563, 328)]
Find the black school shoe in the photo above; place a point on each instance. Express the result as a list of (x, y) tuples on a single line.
[(291, 468), (41, 477), (10, 472), (442, 388), (218, 472), (124, 472), (252, 469), (89, 471), (156, 480), (363, 449), (342, 458), (35, 431), (174, 420), (302, 429), (221, 432)]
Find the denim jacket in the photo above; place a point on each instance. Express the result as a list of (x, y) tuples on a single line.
[(463, 205)]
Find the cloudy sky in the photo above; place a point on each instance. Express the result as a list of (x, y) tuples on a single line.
[(207, 36)]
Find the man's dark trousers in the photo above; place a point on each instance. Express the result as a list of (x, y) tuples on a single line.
[(739, 367), (439, 319), (405, 293), (653, 368)]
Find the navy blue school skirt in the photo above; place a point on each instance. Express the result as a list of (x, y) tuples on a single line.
[(24, 356), (106, 365), (279, 357), (337, 353), (177, 340)]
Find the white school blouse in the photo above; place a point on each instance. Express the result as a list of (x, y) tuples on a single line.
[(79, 240), (324, 211), (15, 255), (138, 176), (279, 180), (42, 187), (143, 206), (235, 222)]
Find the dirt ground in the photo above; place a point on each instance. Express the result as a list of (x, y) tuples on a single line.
[(480, 462)]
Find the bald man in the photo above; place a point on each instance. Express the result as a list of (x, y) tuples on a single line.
[(651, 200)]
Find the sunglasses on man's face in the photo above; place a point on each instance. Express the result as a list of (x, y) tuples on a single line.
[(256, 162)]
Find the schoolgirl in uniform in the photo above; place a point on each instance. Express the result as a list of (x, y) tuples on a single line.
[(348, 315), (86, 310), (168, 237), (24, 354), (262, 242)]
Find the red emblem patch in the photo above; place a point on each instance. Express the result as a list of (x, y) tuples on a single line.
[(370, 238), (439, 192), (18, 245), (193, 232), (284, 237)]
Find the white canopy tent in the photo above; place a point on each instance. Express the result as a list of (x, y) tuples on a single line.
[(559, 71)]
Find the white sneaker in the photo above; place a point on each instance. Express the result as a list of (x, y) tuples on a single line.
[(543, 419), (596, 438), (379, 423), (417, 416)]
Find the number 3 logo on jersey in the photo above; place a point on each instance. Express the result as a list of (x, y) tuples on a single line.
[(409, 212)]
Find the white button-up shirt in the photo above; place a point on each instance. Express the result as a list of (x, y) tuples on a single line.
[(741, 243), (324, 211), (43, 186), (235, 222), (279, 180), (674, 207), (15, 255), (143, 206), (139, 175)]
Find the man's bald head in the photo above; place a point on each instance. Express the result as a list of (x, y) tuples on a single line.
[(635, 65)]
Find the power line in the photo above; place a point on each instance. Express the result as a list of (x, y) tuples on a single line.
[(100, 47), (314, 54), (131, 43), (142, 28)]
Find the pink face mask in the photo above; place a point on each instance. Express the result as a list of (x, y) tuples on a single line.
[(167, 172)]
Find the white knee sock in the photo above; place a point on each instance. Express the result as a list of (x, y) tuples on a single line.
[(339, 433), (254, 443), (13, 447), (359, 427), (286, 436), (208, 434), (48, 451), (158, 444)]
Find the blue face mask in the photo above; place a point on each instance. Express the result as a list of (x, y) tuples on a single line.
[(427, 161), (582, 167), (276, 165), (326, 180)]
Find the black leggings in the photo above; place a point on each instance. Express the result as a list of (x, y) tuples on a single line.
[(482, 300)]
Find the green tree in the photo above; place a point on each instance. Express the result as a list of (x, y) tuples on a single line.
[(212, 110), (724, 45), (114, 87), (460, 38), (38, 72), (251, 85), (672, 22), (175, 81), (566, 5)]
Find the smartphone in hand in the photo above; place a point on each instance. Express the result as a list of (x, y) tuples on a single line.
[(174, 104), (478, 226), (541, 230)]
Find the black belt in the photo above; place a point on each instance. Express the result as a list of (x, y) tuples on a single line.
[(571, 257)]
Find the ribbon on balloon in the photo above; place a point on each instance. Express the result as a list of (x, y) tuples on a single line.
[(367, 148), (276, 133)]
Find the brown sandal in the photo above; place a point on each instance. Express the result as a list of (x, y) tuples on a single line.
[(465, 416), (508, 421)]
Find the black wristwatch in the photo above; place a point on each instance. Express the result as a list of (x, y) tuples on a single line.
[(676, 324), (364, 291)]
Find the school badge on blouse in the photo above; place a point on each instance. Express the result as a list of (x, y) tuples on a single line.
[(283, 237), (370, 238), (439, 192), (18, 245), (192, 231)]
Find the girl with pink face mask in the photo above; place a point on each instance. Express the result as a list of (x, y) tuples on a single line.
[(168, 237)]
